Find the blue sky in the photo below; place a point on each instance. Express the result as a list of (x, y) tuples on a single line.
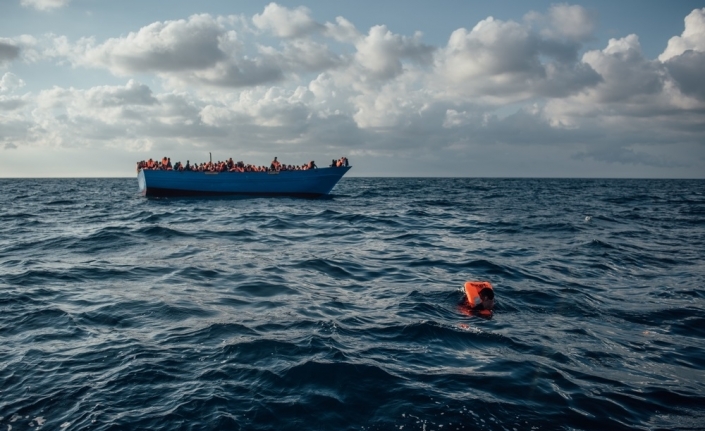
[(402, 88)]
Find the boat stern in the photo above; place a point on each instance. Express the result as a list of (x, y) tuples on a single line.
[(141, 182)]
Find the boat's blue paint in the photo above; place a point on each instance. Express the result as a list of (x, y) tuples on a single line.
[(310, 183)]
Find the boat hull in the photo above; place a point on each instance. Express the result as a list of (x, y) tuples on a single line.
[(309, 183)]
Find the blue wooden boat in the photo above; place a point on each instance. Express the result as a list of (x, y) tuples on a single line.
[(303, 183)]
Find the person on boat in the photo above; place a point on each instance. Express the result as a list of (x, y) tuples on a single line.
[(312, 165), (343, 161), (275, 164)]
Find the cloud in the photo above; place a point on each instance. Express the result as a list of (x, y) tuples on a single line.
[(631, 88), (563, 21), (616, 141), (684, 56), (392, 105), (171, 46), (10, 82), (692, 38), (15, 122), (271, 107), (8, 51), (687, 71), (203, 51), (133, 93), (381, 52), (11, 103), (616, 154), (561, 80), (200, 51), (286, 23), (507, 62), (112, 115), (303, 55), (44, 5), (132, 117), (342, 31), (491, 48), (25, 48), (242, 72), (626, 73), (572, 21)]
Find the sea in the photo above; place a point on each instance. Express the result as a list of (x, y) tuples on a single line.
[(121, 312)]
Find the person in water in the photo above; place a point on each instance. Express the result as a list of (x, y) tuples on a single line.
[(487, 298), (480, 295)]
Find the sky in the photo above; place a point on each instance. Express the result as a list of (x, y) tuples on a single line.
[(594, 89)]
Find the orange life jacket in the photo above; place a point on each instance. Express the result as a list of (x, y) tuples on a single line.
[(472, 291)]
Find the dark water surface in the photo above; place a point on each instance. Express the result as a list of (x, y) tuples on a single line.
[(121, 312)]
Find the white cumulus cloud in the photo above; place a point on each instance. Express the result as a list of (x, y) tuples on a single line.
[(198, 50), (342, 31), (286, 23), (10, 82), (171, 46), (381, 52), (507, 61), (565, 21), (692, 38), (626, 73), (684, 56)]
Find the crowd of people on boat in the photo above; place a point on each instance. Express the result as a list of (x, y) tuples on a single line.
[(229, 166)]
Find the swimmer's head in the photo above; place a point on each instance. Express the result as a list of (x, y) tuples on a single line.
[(487, 298)]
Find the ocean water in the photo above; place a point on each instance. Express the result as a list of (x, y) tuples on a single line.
[(119, 312)]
